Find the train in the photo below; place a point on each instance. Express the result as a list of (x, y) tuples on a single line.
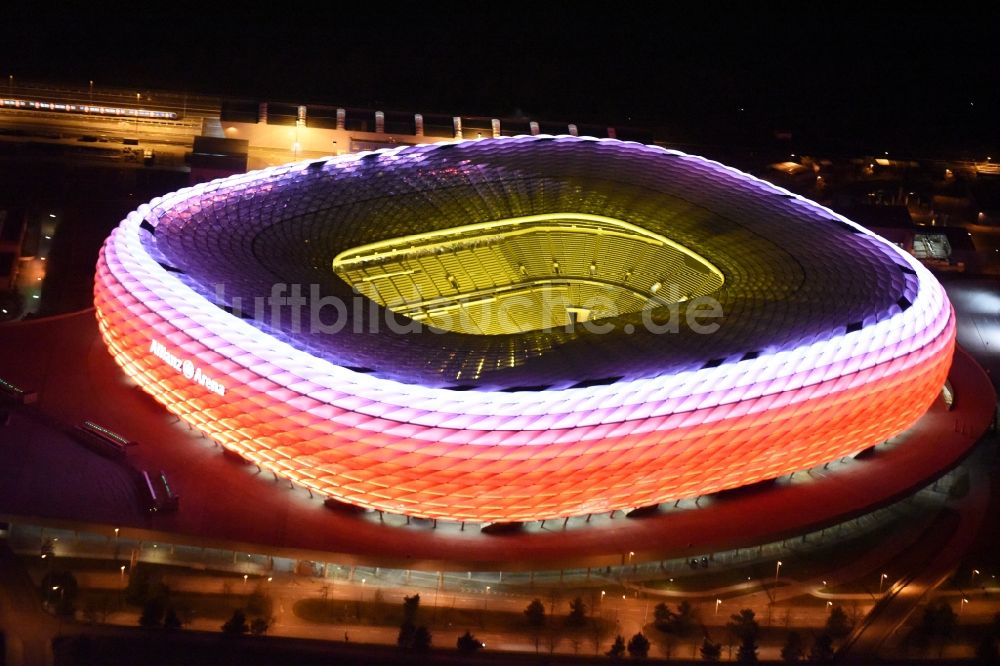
[(87, 109)]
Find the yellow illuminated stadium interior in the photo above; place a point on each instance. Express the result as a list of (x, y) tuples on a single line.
[(527, 273)]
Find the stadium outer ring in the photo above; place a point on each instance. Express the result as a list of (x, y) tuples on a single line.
[(493, 456)]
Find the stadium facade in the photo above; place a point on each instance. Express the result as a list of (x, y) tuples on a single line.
[(521, 328)]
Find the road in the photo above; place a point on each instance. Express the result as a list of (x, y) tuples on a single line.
[(881, 627), (978, 310), (27, 628), (43, 125), (626, 614)]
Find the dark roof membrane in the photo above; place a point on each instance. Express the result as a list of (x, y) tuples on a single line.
[(791, 277)]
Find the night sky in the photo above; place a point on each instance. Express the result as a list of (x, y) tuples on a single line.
[(902, 80)]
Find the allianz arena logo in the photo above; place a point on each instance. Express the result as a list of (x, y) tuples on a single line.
[(186, 367)]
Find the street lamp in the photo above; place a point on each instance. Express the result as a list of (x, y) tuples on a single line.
[(602, 596), (486, 598), (881, 582), (777, 570), (137, 98), (121, 583), (62, 593), (718, 602), (962, 606), (975, 572)]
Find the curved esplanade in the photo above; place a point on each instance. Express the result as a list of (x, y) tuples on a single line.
[(829, 340)]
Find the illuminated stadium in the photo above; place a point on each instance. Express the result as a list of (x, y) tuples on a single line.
[(521, 328)]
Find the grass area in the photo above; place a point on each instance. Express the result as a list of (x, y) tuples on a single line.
[(97, 603), (146, 583), (382, 613)]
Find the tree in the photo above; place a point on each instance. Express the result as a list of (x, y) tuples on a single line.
[(259, 626), (137, 590), (407, 637), (577, 613), (535, 613), (468, 643), (939, 619), (837, 624), (413, 637), (61, 588), (638, 646), (822, 649), (986, 651), (236, 625), (618, 647), (410, 607), (535, 617), (743, 625), (937, 622), (793, 651), (679, 623), (685, 619), (422, 639), (666, 644), (598, 631), (153, 612), (171, 620), (407, 634), (664, 618), (747, 653), (552, 638), (710, 651)]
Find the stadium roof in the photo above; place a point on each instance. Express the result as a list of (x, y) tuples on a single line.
[(794, 272)]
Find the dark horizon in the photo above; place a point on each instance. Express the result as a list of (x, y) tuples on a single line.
[(882, 79)]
